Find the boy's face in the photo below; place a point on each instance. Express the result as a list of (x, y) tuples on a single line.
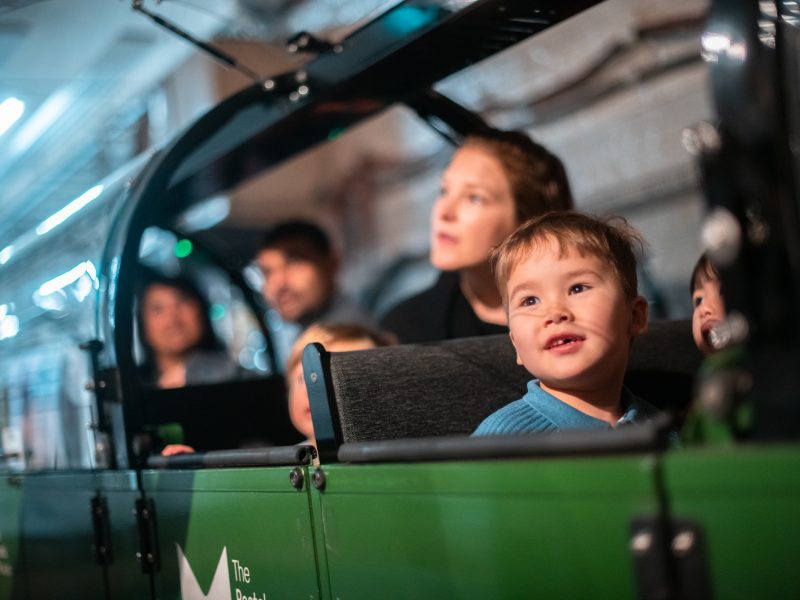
[(570, 321), (709, 311)]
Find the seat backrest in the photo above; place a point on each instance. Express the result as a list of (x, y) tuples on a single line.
[(449, 387)]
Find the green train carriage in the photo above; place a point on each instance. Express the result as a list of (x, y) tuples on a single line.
[(406, 507)]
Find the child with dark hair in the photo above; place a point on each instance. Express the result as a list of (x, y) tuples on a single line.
[(708, 304)]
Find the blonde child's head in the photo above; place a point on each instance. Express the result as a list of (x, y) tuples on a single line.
[(342, 337)]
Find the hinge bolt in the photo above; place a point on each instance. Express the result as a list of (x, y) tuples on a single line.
[(641, 542), (296, 478), (683, 543), (318, 479)]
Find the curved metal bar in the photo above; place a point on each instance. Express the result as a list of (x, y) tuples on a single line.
[(230, 459), (649, 437)]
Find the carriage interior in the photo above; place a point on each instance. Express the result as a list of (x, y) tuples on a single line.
[(682, 117), (361, 406)]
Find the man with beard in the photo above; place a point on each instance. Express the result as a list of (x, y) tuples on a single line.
[(299, 266)]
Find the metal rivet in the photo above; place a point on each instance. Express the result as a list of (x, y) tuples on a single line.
[(318, 479), (294, 96), (296, 478), (683, 543), (300, 76), (303, 90), (641, 542), (269, 84), (313, 377)]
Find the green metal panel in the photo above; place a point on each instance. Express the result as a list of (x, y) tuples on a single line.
[(58, 537), (253, 518), (11, 568), (125, 576), (747, 500), (510, 529)]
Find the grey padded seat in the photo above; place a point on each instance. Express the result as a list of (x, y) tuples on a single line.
[(449, 387)]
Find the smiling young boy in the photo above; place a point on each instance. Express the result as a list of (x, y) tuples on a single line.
[(569, 285)]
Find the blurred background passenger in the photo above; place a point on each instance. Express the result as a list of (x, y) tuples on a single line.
[(300, 265), (343, 337), (708, 305), (495, 181), (180, 347)]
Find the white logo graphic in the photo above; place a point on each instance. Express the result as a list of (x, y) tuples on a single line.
[(220, 588)]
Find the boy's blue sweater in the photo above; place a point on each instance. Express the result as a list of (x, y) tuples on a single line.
[(540, 411)]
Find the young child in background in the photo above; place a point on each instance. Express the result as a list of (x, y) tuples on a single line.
[(569, 286), (722, 410), (335, 338), (708, 304)]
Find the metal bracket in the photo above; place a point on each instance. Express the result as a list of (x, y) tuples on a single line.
[(221, 57), (148, 555), (304, 42), (669, 559), (102, 530)]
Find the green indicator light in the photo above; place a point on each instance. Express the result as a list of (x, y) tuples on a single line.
[(335, 132), (183, 248), (217, 312)]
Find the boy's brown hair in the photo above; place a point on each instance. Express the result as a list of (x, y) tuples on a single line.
[(611, 239), (704, 269), (537, 177)]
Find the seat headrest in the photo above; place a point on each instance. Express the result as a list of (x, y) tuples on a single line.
[(449, 387)]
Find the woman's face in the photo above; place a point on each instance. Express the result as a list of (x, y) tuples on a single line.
[(172, 322), (475, 210)]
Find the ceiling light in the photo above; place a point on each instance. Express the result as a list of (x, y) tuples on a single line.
[(11, 110), (41, 120), (69, 210)]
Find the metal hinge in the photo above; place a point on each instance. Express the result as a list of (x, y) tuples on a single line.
[(102, 530), (669, 557), (148, 554)]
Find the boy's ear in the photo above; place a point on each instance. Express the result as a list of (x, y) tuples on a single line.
[(639, 312), (519, 360)]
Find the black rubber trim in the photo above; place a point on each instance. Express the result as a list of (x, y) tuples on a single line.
[(228, 459), (648, 437)]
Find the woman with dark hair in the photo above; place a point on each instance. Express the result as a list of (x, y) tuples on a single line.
[(495, 181), (180, 346)]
